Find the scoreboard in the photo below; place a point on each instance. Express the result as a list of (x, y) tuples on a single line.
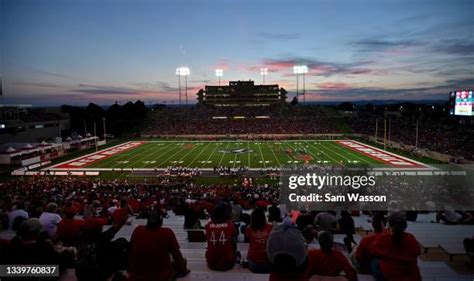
[(461, 103)]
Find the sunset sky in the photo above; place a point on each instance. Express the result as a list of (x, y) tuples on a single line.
[(76, 52)]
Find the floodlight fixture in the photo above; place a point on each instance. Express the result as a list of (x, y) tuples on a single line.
[(264, 72), (219, 73), (183, 71), (300, 69)]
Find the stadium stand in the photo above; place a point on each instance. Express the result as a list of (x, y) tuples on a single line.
[(120, 207), (439, 134), (272, 120)]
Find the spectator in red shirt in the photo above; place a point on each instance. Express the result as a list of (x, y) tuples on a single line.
[(95, 222), (221, 238), (363, 255), (120, 215), (150, 249), (398, 252), (134, 205), (69, 228), (327, 261), (257, 234)]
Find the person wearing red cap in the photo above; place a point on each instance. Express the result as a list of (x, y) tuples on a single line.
[(397, 251)]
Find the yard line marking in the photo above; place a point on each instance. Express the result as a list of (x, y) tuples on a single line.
[(94, 157), (171, 157), (326, 154), (293, 159), (181, 160), (154, 153), (348, 160), (132, 163), (212, 154), (152, 156), (357, 155), (317, 159), (125, 156), (261, 154), (310, 152), (271, 149), (235, 160), (248, 154), (120, 157), (202, 150), (284, 153), (169, 149), (223, 154), (139, 154)]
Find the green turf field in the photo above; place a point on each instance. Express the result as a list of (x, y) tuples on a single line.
[(252, 154)]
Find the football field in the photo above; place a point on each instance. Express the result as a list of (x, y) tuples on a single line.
[(149, 155)]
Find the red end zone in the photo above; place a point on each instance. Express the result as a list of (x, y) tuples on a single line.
[(86, 160), (385, 157)]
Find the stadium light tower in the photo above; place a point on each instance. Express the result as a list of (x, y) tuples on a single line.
[(300, 69), (263, 72), (183, 71), (219, 73)]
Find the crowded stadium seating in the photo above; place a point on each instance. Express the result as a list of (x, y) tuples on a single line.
[(440, 134), (75, 193)]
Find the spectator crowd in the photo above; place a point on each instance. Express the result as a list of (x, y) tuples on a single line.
[(72, 222)]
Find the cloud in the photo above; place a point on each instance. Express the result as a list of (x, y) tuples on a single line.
[(156, 90), (279, 36), (373, 45), (459, 48), (334, 86), (316, 67), (335, 92), (103, 90), (154, 86), (201, 81), (461, 83), (37, 84)]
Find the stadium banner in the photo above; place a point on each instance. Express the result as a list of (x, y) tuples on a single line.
[(314, 187)]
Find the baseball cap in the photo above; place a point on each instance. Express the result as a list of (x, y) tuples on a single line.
[(286, 239)]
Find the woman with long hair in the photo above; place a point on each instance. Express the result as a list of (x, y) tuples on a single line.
[(257, 234), (397, 252)]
